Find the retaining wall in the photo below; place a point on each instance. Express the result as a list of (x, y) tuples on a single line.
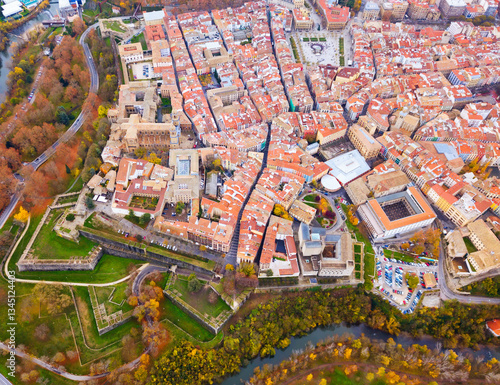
[(51, 265), (127, 251), (111, 327)]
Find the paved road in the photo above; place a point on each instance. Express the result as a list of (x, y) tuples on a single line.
[(140, 277), (53, 369), (77, 124), (448, 294), (4, 381)]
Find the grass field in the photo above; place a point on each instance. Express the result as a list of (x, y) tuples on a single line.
[(113, 297), (108, 269), (68, 199), (114, 26), (470, 246), (178, 317), (48, 245), (369, 254), (100, 345), (399, 256), (140, 39), (199, 300)]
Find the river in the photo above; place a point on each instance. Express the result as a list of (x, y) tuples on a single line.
[(6, 55), (319, 334)]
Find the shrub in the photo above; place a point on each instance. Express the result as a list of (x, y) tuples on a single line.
[(70, 217), (89, 203)]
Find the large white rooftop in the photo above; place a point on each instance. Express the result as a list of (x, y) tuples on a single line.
[(348, 166), (12, 8)]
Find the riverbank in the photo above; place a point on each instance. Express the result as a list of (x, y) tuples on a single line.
[(9, 26)]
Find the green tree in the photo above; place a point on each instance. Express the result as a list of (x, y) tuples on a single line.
[(145, 218), (179, 207), (194, 284), (412, 280), (89, 203), (70, 217)]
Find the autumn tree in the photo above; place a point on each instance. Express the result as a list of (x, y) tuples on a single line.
[(42, 332), (280, 211), (52, 296), (412, 280), (22, 215)]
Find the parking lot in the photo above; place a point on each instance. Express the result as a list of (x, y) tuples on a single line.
[(391, 281), (142, 70)]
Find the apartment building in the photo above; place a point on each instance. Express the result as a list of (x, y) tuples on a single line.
[(367, 146)]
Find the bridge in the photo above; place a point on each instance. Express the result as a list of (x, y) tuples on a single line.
[(54, 23)]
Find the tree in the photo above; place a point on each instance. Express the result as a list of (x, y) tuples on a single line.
[(68, 170), (70, 217), (42, 332), (246, 268), (412, 280), (22, 216), (138, 237), (52, 296), (153, 158), (280, 211), (145, 218), (310, 137), (179, 207), (89, 203), (79, 26), (194, 284), (269, 272), (140, 152)]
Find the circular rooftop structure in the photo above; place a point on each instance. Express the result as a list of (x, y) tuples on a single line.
[(330, 183)]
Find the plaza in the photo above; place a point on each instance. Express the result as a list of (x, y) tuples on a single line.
[(320, 47)]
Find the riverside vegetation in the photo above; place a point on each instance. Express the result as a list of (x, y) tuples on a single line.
[(270, 325)]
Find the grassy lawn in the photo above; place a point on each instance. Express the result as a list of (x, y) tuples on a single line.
[(101, 345), (68, 199), (178, 317), (325, 222), (48, 245), (341, 61), (357, 258), (113, 297), (399, 256), (369, 254), (109, 269), (470, 246), (199, 300), (357, 248), (24, 241), (114, 26), (140, 39)]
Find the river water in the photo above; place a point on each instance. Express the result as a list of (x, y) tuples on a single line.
[(6, 55), (319, 334)]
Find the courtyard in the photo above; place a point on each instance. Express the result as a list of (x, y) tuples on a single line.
[(140, 71)]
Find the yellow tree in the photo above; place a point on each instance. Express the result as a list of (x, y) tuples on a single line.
[(154, 159), (22, 215)]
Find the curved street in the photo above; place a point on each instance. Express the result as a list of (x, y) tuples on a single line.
[(77, 124), (448, 294), (52, 368)]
